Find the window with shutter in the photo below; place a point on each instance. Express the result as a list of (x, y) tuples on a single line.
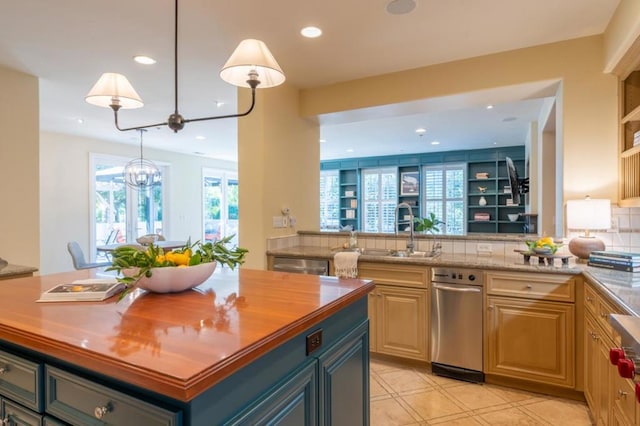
[(380, 196), (329, 200), (444, 195)]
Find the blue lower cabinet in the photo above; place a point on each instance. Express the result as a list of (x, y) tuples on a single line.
[(82, 402), (15, 414), (291, 403), (50, 421), (344, 380)]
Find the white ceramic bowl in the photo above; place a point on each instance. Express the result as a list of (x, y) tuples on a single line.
[(172, 279), (513, 216)]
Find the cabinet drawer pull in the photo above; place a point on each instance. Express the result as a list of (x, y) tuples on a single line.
[(4, 369), (490, 307), (589, 299), (100, 412), (622, 394), (529, 286)]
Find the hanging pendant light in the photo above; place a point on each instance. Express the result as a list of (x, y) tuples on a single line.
[(251, 65), (140, 173)]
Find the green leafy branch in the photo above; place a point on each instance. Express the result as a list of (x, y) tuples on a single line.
[(428, 224)]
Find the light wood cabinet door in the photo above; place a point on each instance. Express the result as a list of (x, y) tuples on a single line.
[(531, 340), (623, 400), (604, 379), (591, 359), (401, 322)]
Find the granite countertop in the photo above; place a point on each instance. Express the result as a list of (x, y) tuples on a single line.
[(622, 287), (9, 270)]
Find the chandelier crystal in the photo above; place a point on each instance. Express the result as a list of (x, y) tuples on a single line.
[(140, 173)]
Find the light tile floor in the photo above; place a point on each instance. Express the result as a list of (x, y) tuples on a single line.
[(412, 396)]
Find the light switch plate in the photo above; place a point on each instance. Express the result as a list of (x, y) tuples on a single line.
[(278, 222)]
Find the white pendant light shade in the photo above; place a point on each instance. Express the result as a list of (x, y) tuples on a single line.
[(252, 55), (114, 89)]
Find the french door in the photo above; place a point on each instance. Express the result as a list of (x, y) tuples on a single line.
[(121, 213), (220, 205)]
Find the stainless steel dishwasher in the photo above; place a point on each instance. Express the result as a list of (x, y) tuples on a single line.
[(456, 323), (301, 266)]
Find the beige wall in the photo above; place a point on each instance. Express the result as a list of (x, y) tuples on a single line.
[(64, 193), (589, 101), (19, 184), (278, 166), (621, 33)]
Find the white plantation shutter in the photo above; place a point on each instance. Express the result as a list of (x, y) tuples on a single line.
[(329, 200), (380, 191), (444, 195)]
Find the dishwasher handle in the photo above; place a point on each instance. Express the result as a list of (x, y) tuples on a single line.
[(466, 289)]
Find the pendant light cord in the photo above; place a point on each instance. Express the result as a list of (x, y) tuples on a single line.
[(175, 59)]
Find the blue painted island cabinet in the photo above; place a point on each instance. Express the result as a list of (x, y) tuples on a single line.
[(317, 375)]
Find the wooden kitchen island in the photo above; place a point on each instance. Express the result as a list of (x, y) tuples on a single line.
[(245, 347)]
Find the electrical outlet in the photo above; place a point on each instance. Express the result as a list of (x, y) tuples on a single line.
[(484, 248), (314, 341)]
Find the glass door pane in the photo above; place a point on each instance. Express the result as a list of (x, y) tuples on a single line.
[(110, 210), (220, 205), (122, 214)]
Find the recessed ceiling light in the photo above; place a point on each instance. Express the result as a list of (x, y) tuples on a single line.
[(401, 7), (435, 143), (350, 150), (80, 121), (489, 106), (421, 131), (323, 140), (311, 32), (200, 137), (144, 60), (495, 143)]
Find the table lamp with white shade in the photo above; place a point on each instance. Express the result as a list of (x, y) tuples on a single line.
[(587, 215)]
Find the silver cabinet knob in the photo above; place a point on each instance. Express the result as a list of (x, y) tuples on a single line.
[(4, 369), (100, 412)]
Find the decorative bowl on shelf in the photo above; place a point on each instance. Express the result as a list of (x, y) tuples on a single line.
[(542, 250), (173, 279), (513, 216)]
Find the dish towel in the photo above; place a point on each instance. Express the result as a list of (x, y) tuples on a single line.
[(345, 264)]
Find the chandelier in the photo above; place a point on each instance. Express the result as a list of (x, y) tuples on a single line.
[(250, 65), (140, 173)]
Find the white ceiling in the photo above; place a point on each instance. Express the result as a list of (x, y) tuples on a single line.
[(69, 43)]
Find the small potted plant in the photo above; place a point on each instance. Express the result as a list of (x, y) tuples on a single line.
[(429, 225)]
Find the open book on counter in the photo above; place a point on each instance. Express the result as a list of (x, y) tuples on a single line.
[(94, 289)]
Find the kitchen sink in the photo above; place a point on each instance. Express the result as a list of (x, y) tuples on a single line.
[(376, 252), (395, 253)]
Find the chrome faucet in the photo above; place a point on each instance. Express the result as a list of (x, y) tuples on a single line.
[(410, 241)]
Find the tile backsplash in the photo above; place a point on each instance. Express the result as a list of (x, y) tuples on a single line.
[(624, 236)]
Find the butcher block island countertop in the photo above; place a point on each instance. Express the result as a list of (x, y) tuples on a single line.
[(177, 346)]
